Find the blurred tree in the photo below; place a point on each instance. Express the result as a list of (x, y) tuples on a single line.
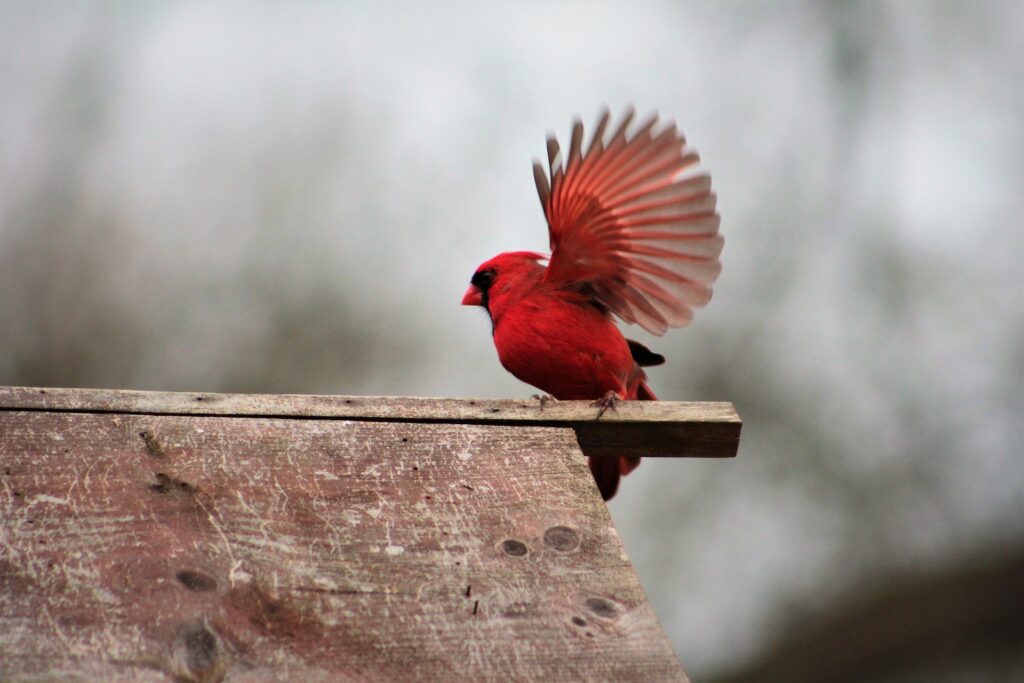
[(292, 199)]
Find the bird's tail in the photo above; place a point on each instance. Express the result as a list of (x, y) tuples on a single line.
[(606, 474), (608, 471), (628, 464)]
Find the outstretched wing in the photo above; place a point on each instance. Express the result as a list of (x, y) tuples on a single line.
[(630, 224)]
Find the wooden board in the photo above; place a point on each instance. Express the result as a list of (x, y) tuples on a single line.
[(197, 547), (643, 428)]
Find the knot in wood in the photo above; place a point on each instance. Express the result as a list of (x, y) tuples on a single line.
[(198, 655)]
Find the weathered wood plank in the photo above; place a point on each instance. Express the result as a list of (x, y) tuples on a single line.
[(200, 548), (644, 428)]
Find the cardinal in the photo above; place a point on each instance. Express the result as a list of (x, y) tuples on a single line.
[(634, 235)]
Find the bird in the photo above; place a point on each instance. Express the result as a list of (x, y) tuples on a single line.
[(634, 236)]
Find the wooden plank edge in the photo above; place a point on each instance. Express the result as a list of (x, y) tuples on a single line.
[(389, 408), (643, 428)]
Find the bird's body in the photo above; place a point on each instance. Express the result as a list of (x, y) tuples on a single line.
[(557, 340), (629, 238)]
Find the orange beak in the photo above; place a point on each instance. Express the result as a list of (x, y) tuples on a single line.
[(472, 297)]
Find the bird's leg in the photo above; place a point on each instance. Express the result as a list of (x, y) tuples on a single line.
[(544, 399), (605, 402)]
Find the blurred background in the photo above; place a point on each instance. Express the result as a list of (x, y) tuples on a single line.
[(271, 197)]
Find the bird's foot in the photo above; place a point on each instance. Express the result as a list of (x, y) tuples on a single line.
[(546, 398), (605, 402)]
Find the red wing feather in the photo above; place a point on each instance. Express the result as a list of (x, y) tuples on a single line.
[(630, 224)]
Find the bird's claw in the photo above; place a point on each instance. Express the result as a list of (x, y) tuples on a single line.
[(605, 402), (544, 399)]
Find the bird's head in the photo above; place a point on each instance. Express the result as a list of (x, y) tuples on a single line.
[(502, 276)]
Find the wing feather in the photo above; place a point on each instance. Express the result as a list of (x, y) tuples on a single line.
[(631, 225)]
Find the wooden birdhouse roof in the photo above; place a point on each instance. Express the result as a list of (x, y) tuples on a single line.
[(206, 537)]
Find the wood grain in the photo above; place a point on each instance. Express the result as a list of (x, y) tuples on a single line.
[(146, 546), (644, 428)]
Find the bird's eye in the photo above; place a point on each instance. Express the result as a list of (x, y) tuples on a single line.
[(483, 279)]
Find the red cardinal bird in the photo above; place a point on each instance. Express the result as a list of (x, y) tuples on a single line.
[(633, 235)]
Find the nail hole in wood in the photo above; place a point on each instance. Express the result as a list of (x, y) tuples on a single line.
[(562, 538), (606, 609), (196, 581), (513, 547)]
